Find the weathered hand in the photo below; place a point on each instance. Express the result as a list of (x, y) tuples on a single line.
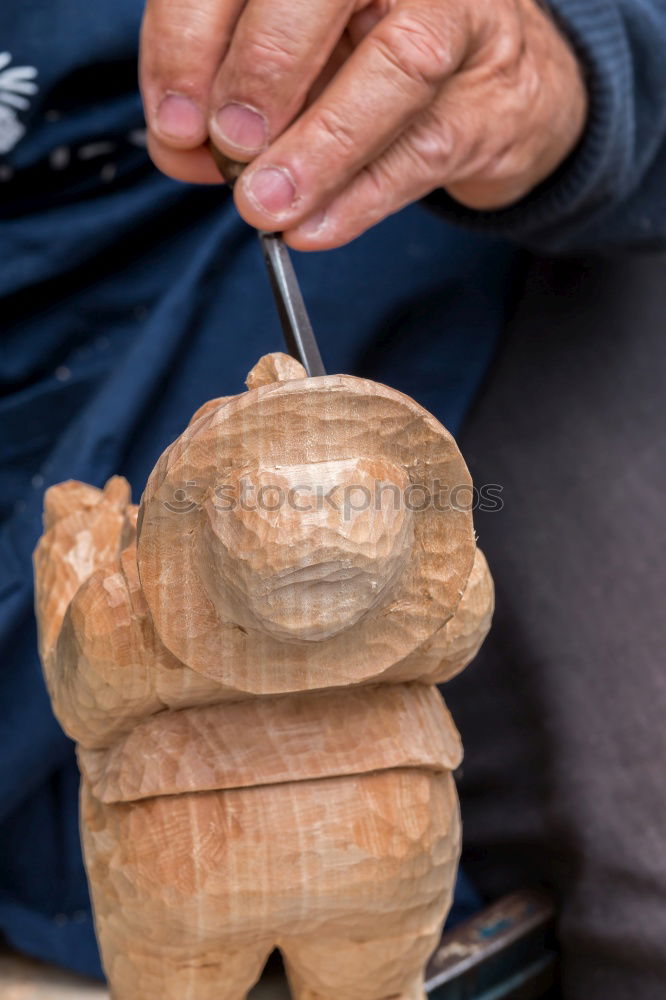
[(351, 109)]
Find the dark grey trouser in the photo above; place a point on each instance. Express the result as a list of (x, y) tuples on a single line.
[(564, 713)]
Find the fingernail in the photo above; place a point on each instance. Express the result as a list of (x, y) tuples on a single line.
[(179, 117), (271, 189), (242, 126), (313, 225)]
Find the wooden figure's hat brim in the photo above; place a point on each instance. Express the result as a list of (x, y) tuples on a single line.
[(314, 420)]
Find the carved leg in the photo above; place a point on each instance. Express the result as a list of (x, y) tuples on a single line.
[(393, 841), (167, 925), (389, 968), (137, 972)]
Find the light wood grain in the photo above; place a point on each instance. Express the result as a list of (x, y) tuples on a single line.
[(266, 761), (329, 421)]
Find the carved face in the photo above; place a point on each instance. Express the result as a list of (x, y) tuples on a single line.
[(303, 552)]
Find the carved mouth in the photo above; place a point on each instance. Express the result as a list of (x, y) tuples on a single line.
[(315, 573)]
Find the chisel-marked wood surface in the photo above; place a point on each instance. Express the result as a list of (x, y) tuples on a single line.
[(248, 669)]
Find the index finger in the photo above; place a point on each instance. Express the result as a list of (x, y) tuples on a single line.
[(393, 75)]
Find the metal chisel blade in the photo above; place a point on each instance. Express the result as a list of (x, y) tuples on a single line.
[(296, 326), (294, 319)]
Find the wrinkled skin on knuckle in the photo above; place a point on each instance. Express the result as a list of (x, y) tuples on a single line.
[(381, 177), (496, 166), (507, 61), (404, 172), (497, 111), (462, 137), (533, 65), (491, 161), (335, 131), (507, 48), (416, 49), (431, 145), (270, 55), (512, 67)]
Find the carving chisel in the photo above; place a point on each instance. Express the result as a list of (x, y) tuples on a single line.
[(296, 326)]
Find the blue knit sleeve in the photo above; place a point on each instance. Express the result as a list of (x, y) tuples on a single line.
[(611, 192)]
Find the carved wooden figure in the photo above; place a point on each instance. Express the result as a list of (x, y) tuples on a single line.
[(249, 676)]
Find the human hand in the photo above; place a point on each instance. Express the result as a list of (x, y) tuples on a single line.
[(351, 109)]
